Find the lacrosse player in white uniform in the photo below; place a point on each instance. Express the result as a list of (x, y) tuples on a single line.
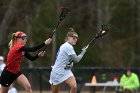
[(61, 70)]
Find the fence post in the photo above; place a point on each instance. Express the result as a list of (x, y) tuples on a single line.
[(40, 80), (79, 84)]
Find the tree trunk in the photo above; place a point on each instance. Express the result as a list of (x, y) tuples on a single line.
[(7, 19), (29, 32), (54, 44)]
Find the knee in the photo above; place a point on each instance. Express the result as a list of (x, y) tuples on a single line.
[(28, 87), (74, 87)]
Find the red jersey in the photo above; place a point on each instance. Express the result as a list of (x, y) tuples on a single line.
[(14, 59)]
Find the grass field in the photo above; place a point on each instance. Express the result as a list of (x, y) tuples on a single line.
[(50, 92), (65, 92)]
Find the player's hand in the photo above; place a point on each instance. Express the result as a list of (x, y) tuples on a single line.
[(85, 48), (48, 41), (41, 54)]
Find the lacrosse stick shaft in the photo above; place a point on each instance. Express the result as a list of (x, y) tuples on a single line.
[(55, 29), (64, 12), (53, 33), (91, 41)]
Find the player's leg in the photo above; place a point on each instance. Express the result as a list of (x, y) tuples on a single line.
[(4, 89), (71, 81), (22, 80), (55, 88)]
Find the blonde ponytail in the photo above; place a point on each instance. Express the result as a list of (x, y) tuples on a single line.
[(12, 41)]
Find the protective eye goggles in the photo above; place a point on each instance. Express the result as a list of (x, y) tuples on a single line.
[(75, 36), (23, 37)]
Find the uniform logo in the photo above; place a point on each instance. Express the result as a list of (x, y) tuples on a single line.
[(23, 53), (70, 65)]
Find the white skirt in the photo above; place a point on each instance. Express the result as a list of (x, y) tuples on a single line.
[(56, 78)]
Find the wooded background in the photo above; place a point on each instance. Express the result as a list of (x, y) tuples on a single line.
[(120, 47)]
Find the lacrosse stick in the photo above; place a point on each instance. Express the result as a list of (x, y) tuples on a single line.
[(103, 31), (65, 11)]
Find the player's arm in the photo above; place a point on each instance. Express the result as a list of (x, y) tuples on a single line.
[(77, 58), (32, 49), (30, 57)]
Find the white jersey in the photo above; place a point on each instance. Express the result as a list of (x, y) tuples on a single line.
[(12, 90), (1, 68), (64, 61)]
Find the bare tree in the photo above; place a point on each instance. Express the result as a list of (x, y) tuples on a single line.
[(54, 44), (7, 19), (29, 32)]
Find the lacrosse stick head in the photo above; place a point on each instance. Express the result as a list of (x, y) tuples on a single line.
[(64, 12), (104, 27), (103, 31)]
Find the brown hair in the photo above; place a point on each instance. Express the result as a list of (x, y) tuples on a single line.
[(72, 33)]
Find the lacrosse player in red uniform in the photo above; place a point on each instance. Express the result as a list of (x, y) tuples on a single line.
[(17, 50)]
